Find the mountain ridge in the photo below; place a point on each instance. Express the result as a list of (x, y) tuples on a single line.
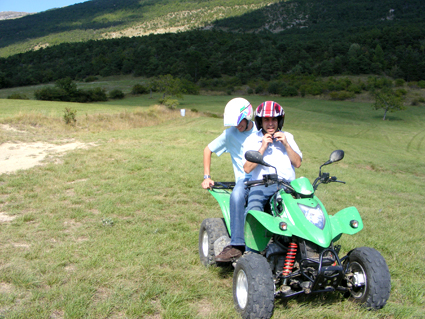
[(7, 15)]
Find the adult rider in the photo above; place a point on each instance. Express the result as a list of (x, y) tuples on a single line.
[(278, 148)]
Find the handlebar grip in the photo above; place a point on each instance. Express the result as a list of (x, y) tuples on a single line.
[(258, 181)]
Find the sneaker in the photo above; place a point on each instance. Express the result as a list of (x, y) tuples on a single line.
[(228, 254)]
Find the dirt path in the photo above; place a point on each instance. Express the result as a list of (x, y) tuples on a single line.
[(17, 156)]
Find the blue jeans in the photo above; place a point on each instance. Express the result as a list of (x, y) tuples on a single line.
[(259, 196), (237, 213)]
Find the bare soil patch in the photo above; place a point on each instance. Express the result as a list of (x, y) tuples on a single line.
[(17, 156)]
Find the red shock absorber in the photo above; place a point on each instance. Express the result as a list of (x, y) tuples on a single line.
[(290, 259)]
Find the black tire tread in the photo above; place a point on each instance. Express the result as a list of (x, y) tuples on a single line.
[(261, 287), (215, 228), (378, 276)]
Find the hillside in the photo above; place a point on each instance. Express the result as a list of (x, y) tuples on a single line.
[(294, 38), (100, 19), (7, 15)]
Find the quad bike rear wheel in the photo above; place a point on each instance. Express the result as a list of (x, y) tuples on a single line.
[(211, 230), (370, 277), (253, 287)]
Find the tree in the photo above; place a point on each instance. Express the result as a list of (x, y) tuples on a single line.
[(388, 100), (168, 85)]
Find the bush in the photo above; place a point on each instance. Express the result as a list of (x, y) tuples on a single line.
[(314, 88), (341, 95), (18, 96), (354, 88), (69, 116), (169, 103), (189, 87), (399, 82), (98, 94), (289, 91), (400, 92), (139, 89), (90, 78), (116, 94), (275, 87), (421, 84), (51, 94), (259, 89)]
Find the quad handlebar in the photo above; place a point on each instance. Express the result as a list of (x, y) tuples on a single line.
[(324, 178)]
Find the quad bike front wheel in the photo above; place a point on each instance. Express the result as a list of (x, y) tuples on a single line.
[(211, 230), (253, 287), (369, 276)]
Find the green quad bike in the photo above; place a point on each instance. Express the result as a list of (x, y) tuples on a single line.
[(294, 243)]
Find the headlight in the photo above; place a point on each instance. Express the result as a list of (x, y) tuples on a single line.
[(314, 215)]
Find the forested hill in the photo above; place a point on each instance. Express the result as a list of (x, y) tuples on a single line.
[(99, 19), (327, 15), (298, 37)]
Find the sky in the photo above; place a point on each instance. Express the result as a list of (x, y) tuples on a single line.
[(34, 5)]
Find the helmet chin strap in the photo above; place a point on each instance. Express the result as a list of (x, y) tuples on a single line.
[(248, 123)]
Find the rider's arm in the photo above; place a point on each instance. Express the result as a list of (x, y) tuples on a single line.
[(208, 182), (294, 157), (248, 167)]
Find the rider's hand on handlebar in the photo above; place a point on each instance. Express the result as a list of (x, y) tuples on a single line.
[(207, 183)]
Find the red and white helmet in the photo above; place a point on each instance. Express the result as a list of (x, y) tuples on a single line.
[(236, 110), (269, 109)]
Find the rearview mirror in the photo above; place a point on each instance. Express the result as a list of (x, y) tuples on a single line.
[(335, 157)]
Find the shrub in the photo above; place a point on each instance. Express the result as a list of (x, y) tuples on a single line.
[(139, 89), (259, 89), (69, 116), (341, 95), (354, 88), (399, 82), (51, 94), (189, 87), (169, 103), (116, 94), (421, 84), (98, 94), (18, 96), (400, 92), (289, 91), (90, 78), (314, 89), (275, 87)]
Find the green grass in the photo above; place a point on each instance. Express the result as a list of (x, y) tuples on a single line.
[(112, 231)]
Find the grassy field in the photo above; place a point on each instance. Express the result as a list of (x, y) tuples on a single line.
[(112, 231)]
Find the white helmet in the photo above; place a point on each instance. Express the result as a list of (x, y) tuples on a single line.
[(236, 110)]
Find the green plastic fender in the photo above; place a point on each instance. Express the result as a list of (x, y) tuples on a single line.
[(223, 198), (341, 222)]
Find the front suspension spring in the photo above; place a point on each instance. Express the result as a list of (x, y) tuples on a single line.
[(290, 259)]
